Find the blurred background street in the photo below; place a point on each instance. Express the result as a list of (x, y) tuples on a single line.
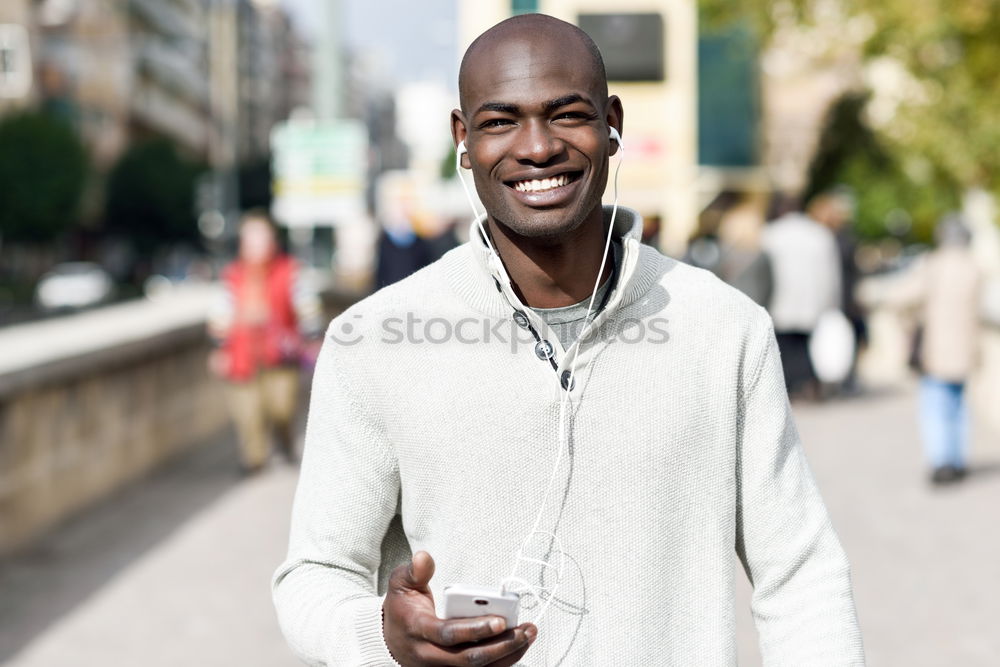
[(191, 189)]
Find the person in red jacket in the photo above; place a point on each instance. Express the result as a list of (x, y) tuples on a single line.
[(263, 325)]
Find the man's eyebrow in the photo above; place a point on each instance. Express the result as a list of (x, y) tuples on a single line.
[(499, 107), (507, 107), (566, 100)]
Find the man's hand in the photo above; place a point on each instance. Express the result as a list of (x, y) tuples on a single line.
[(417, 637)]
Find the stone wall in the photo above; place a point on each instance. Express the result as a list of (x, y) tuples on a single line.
[(69, 443), (76, 428)]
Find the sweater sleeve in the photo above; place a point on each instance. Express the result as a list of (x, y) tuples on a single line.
[(325, 591), (802, 601)]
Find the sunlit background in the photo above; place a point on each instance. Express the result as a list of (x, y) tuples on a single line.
[(134, 135)]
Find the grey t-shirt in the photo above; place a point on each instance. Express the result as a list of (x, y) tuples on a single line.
[(568, 321)]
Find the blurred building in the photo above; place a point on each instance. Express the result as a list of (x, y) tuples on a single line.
[(123, 70), (274, 74), (730, 111), (17, 48), (169, 94), (211, 75), (328, 62)]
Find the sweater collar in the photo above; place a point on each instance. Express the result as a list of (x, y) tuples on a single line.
[(477, 279)]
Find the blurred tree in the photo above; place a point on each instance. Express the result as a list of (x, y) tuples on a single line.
[(150, 197), (889, 199), (845, 137), (447, 170), (949, 108), (255, 185), (43, 169), (931, 67)]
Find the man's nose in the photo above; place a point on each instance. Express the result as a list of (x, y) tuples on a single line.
[(537, 144)]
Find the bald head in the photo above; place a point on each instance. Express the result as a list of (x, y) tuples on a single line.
[(537, 33)]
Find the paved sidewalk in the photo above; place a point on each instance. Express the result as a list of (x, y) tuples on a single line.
[(172, 572), (175, 570)]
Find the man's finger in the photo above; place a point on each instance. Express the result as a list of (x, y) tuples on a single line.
[(415, 575), (512, 659), (421, 570), (492, 651), (458, 630)]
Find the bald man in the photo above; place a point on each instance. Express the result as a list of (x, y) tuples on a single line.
[(555, 410)]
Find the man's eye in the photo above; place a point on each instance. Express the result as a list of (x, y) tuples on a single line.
[(574, 115), (495, 122)]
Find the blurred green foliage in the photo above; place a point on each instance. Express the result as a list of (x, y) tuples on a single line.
[(43, 171), (944, 135), (889, 198), (150, 196), (447, 169), (952, 50)]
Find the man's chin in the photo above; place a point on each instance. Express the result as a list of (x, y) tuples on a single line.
[(541, 224)]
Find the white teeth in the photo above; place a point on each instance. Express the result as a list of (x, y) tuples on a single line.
[(542, 184)]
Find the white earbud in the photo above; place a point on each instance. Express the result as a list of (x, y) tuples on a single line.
[(615, 136), (460, 150)]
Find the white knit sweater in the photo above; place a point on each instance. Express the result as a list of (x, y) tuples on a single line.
[(682, 454)]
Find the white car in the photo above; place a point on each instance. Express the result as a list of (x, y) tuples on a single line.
[(73, 285)]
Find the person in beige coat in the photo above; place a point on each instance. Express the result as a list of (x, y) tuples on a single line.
[(947, 284)]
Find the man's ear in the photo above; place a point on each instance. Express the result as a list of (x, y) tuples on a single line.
[(615, 118), (459, 134)]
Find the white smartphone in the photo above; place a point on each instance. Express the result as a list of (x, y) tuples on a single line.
[(461, 601)]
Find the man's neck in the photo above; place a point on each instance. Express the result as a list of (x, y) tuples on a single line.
[(547, 273)]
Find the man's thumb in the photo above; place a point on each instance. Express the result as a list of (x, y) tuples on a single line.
[(421, 570)]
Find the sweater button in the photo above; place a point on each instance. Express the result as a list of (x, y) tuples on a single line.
[(567, 381), (522, 319), (544, 350)]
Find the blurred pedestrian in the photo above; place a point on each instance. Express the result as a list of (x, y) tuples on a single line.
[(742, 262), (401, 249), (263, 325), (400, 252), (805, 264), (946, 284), (705, 247), (442, 238), (835, 211)]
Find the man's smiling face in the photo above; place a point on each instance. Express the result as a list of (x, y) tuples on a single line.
[(535, 120)]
